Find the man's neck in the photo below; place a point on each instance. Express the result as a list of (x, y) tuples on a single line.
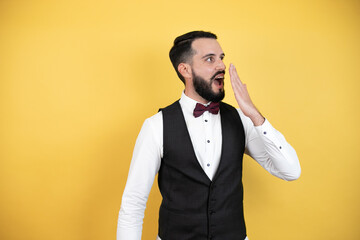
[(196, 97)]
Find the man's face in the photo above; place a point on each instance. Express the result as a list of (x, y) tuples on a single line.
[(204, 89), (208, 69)]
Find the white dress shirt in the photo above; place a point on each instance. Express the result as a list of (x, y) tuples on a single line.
[(263, 143)]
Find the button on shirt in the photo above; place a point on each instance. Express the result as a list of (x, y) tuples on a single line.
[(263, 143)]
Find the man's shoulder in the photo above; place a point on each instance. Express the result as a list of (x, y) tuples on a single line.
[(226, 105), (155, 118), (237, 111), (171, 106), (229, 106), (154, 122)]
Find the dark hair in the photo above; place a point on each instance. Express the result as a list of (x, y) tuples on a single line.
[(181, 51)]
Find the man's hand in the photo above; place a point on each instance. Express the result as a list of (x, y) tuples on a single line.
[(243, 98)]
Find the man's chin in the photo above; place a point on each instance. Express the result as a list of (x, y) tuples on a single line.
[(218, 97)]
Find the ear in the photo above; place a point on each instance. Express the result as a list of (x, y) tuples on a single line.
[(185, 70)]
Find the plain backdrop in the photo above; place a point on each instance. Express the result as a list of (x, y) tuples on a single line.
[(78, 78)]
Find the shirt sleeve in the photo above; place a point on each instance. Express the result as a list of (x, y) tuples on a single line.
[(145, 164), (269, 148)]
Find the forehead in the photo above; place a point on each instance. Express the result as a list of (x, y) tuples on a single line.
[(203, 46)]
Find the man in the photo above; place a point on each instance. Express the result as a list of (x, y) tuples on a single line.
[(196, 145)]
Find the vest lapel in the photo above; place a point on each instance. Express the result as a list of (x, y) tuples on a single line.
[(228, 136), (204, 177)]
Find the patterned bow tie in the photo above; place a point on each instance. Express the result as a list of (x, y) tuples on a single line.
[(200, 109)]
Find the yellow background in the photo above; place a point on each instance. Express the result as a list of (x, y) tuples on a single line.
[(78, 78)]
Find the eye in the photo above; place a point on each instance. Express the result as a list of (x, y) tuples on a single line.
[(209, 59)]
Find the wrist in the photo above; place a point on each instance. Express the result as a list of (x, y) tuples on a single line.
[(257, 118)]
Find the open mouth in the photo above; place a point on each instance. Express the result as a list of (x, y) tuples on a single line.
[(219, 80)]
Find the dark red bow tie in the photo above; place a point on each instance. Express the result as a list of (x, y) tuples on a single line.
[(200, 109)]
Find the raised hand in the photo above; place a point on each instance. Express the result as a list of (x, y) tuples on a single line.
[(243, 98)]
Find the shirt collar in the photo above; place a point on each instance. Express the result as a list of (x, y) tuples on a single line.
[(188, 104)]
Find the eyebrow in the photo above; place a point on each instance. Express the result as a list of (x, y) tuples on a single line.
[(212, 54)]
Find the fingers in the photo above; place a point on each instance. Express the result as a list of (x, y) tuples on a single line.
[(236, 83), (233, 74)]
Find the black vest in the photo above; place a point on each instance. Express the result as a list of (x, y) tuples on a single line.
[(193, 206)]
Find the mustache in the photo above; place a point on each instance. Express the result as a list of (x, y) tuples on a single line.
[(219, 72)]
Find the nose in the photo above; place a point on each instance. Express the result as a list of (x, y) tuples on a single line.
[(221, 65)]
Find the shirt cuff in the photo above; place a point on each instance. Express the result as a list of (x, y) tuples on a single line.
[(128, 234), (270, 135)]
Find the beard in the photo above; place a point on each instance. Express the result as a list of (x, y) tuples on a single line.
[(204, 89)]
